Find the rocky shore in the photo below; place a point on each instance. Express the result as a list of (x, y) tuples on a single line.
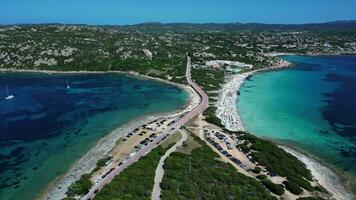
[(58, 188)]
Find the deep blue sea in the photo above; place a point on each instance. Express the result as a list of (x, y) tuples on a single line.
[(311, 106), (47, 127)]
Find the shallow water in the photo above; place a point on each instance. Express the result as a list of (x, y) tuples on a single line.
[(311, 106), (46, 127)]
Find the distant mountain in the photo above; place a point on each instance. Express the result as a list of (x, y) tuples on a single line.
[(329, 26), (349, 25)]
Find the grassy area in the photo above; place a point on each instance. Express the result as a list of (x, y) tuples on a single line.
[(201, 176), (189, 146), (171, 139)]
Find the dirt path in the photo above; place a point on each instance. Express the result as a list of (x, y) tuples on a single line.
[(156, 192)]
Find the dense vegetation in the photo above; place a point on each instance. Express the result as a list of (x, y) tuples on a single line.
[(293, 188), (210, 116), (209, 80), (101, 163), (200, 176), (279, 162), (135, 182), (274, 188)]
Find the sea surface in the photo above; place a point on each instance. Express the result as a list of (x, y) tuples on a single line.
[(311, 106), (47, 127)]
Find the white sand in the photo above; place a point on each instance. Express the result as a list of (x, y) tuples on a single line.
[(227, 109), (325, 176), (228, 113)]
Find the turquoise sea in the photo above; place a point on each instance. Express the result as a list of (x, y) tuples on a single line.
[(47, 127), (311, 106)]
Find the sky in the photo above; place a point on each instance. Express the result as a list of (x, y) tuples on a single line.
[(194, 11)]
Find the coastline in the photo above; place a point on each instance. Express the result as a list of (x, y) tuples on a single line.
[(326, 176), (127, 73), (227, 112), (58, 187)]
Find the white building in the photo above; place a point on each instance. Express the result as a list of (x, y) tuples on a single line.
[(228, 62)]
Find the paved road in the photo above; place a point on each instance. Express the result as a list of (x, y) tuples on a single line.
[(156, 192), (180, 121)]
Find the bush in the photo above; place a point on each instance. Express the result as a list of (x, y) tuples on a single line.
[(301, 182), (320, 189), (102, 162), (244, 148), (274, 188), (261, 177), (293, 188), (210, 116), (276, 160), (309, 198), (80, 187), (257, 170)]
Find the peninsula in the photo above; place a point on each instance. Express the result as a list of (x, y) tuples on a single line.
[(203, 150)]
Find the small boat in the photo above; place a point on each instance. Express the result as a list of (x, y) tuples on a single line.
[(9, 96), (68, 87)]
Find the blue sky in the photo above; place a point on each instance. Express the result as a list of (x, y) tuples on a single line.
[(137, 11)]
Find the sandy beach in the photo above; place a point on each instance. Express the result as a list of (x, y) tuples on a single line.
[(325, 176), (226, 105), (57, 189), (228, 112)]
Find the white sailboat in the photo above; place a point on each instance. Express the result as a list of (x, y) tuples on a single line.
[(9, 96), (68, 87)]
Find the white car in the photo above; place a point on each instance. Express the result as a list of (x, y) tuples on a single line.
[(132, 154)]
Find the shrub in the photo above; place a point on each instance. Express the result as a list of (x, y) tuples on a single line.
[(309, 198), (274, 188), (276, 159), (261, 177), (320, 189), (210, 116), (293, 188), (257, 170), (301, 182), (244, 148), (81, 186)]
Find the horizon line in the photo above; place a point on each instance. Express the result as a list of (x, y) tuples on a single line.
[(167, 23)]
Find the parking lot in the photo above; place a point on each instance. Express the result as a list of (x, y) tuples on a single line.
[(226, 145)]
